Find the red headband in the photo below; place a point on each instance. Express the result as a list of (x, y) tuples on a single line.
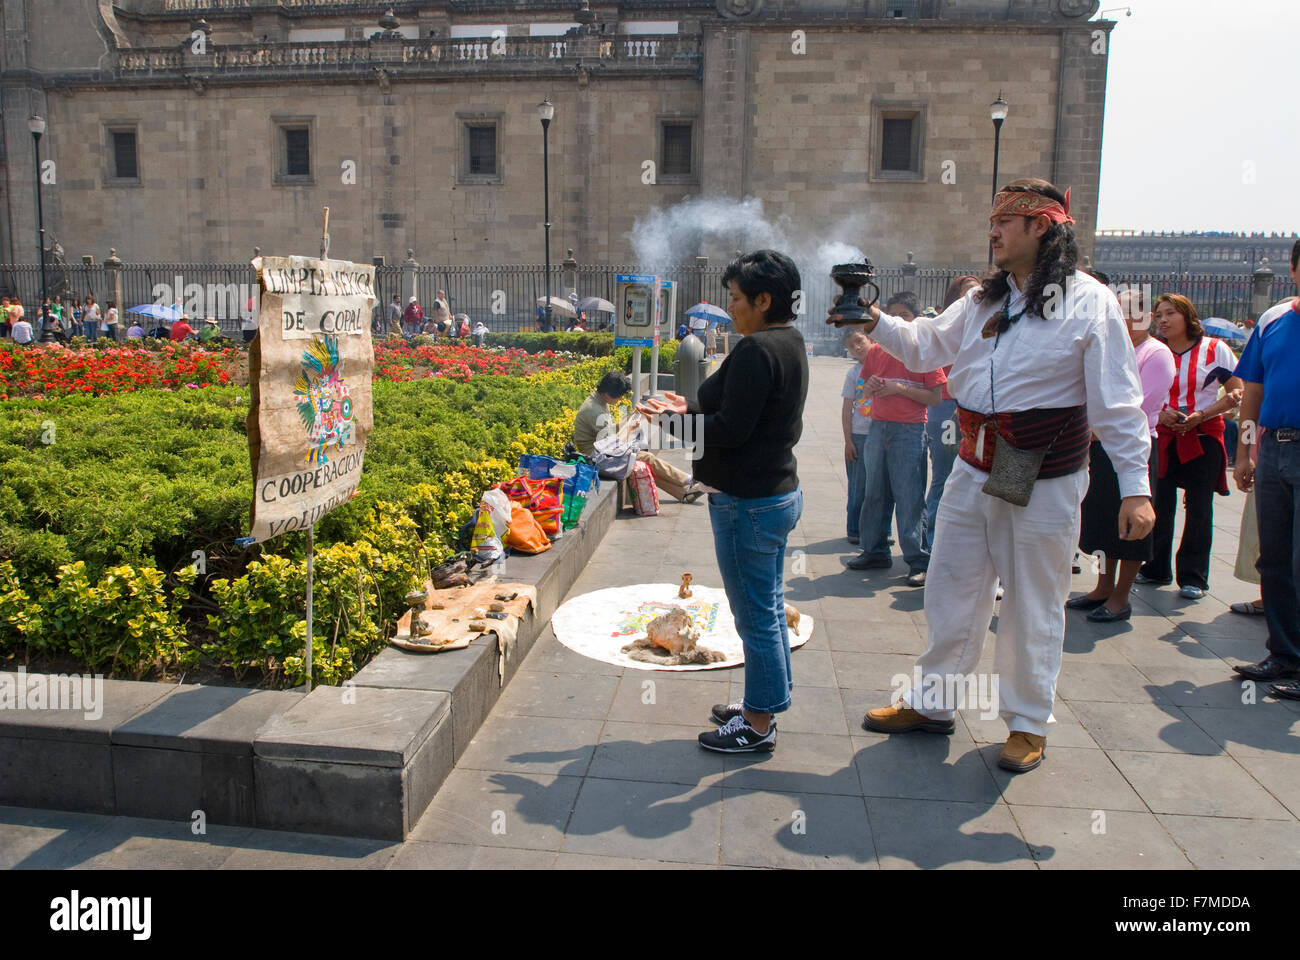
[(1015, 203)]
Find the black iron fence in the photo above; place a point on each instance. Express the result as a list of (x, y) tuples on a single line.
[(223, 291), (1214, 295), (505, 297)]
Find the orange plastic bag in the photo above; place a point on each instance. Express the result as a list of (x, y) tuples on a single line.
[(526, 534)]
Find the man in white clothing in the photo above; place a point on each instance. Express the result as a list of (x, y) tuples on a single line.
[(22, 333), (1041, 359)]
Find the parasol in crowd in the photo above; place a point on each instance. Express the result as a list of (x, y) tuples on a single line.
[(1218, 327), (158, 312), (559, 306), (707, 311), (594, 304)]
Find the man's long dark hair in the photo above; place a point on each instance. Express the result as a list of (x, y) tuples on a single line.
[(1058, 254)]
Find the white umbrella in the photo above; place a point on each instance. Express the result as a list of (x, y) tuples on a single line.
[(593, 304), (559, 306)]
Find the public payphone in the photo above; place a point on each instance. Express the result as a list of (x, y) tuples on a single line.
[(665, 319), (637, 299)]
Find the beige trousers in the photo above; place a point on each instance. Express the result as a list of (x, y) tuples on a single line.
[(1248, 542), (667, 477)]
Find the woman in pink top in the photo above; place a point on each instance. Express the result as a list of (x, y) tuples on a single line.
[(1099, 534)]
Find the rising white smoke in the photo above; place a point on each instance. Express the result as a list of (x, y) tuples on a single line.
[(719, 226)]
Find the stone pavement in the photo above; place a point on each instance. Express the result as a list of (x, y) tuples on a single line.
[(1155, 762)]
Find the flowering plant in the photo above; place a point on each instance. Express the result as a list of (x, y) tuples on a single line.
[(56, 370)]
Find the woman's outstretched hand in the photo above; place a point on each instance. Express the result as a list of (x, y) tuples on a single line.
[(653, 406)]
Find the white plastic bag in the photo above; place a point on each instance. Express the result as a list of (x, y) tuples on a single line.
[(492, 526)]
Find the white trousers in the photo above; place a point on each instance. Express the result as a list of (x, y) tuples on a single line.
[(980, 539)]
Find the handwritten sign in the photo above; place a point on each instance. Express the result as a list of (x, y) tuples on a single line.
[(310, 372)]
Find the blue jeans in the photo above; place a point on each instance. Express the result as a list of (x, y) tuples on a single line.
[(750, 536), (942, 457), (1231, 431), (1277, 506), (858, 488), (896, 451), (91, 329)]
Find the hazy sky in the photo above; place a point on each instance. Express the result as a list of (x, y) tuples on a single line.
[(1200, 96)]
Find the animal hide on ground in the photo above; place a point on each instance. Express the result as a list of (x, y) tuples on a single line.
[(671, 640)]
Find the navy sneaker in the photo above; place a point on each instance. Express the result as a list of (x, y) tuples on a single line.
[(723, 712), (866, 561), (737, 736)]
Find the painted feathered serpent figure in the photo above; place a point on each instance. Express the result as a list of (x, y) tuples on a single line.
[(322, 398)]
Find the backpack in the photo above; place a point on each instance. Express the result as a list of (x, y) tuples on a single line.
[(614, 457)]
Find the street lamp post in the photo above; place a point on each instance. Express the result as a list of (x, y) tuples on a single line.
[(37, 126), (998, 111), (545, 111)]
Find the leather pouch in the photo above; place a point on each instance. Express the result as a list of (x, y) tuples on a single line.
[(1013, 472)]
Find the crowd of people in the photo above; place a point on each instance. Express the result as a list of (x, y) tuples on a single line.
[(412, 321), (73, 318), (78, 317), (1190, 393)]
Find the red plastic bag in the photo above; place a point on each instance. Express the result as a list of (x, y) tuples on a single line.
[(543, 498), (645, 495)]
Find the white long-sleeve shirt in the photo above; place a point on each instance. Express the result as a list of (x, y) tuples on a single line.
[(1082, 355)]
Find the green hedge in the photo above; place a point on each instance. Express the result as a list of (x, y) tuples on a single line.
[(102, 495), (587, 344)]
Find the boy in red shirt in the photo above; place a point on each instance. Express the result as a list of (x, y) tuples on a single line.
[(895, 449)]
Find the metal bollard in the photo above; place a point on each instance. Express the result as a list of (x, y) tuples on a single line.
[(691, 367)]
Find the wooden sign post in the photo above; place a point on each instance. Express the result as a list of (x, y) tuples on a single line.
[(310, 375)]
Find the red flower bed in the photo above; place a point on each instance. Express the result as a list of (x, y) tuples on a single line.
[(399, 361), (56, 371)]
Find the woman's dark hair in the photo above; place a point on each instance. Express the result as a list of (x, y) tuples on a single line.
[(1295, 255), (1184, 306), (1058, 254), (766, 271), (907, 300), (957, 289), (614, 384)]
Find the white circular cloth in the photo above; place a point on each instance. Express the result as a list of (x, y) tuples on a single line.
[(599, 624)]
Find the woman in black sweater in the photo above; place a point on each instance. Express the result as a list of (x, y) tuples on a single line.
[(751, 414)]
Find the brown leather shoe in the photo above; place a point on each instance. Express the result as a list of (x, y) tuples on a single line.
[(900, 718), (1022, 751)]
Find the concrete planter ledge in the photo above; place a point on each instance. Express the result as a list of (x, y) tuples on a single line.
[(361, 760)]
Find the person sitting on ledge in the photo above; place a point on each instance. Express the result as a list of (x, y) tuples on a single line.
[(593, 421)]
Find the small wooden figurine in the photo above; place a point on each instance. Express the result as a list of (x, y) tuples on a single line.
[(685, 591)]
